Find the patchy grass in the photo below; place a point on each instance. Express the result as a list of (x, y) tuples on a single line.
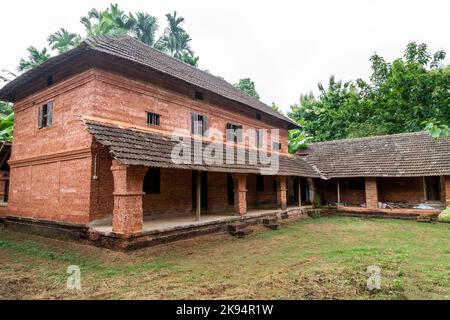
[(324, 258)]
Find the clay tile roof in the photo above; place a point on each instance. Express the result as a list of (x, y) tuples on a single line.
[(146, 148), (398, 155), (132, 50)]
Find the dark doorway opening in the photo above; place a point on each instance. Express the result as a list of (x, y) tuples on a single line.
[(432, 188), (305, 185), (204, 190), (292, 186)]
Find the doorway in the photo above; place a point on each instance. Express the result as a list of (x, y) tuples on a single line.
[(305, 186), (292, 190), (432, 188)]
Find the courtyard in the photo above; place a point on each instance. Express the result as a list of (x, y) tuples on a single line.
[(323, 258)]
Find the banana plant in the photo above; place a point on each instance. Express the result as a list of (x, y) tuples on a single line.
[(6, 127)]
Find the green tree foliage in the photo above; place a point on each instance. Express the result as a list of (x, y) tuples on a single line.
[(145, 28), (248, 86), (35, 57), (400, 97), (112, 21), (6, 126), (63, 40)]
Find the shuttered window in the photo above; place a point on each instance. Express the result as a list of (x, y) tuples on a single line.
[(259, 138), (234, 132), (276, 146), (199, 124), (45, 115)]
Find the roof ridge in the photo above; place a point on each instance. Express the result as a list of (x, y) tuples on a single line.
[(369, 137)]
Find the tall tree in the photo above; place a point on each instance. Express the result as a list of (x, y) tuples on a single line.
[(176, 41), (402, 96), (248, 86), (63, 40), (112, 21), (35, 57), (145, 28)]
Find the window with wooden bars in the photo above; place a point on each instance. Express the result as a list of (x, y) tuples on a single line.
[(45, 115), (153, 118)]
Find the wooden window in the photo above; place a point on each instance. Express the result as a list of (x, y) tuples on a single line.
[(152, 181), (276, 146), (258, 116), (198, 95), (234, 132), (45, 115), (274, 185), (199, 124), (356, 184), (153, 118), (259, 138), (259, 183)]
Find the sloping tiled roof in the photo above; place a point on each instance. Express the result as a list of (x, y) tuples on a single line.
[(130, 49), (398, 155), (132, 146)]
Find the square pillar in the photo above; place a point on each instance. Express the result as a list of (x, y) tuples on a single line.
[(446, 190), (281, 192), (371, 193), (240, 193), (127, 213)]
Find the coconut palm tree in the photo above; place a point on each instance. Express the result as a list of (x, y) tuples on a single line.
[(63, 40), (35, 58)]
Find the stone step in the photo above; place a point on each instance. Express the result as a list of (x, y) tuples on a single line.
[(237, 226), (271, 223)]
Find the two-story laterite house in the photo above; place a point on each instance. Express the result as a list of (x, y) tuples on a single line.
[(120, 144), (94, 139)]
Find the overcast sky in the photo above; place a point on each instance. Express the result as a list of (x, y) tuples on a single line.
[(286, 47)]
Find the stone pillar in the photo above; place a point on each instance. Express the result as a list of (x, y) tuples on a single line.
[(127, 213), (281, 192), (240, 193), (371, 193)]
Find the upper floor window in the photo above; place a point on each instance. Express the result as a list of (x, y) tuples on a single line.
[(258, 116), (45, 113), (198, 95), (153, 118), (276, 146), (152, 181), (234, 132), (259, 138), (199, 124)]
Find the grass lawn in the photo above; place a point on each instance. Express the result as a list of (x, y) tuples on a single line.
[(323, 258)]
